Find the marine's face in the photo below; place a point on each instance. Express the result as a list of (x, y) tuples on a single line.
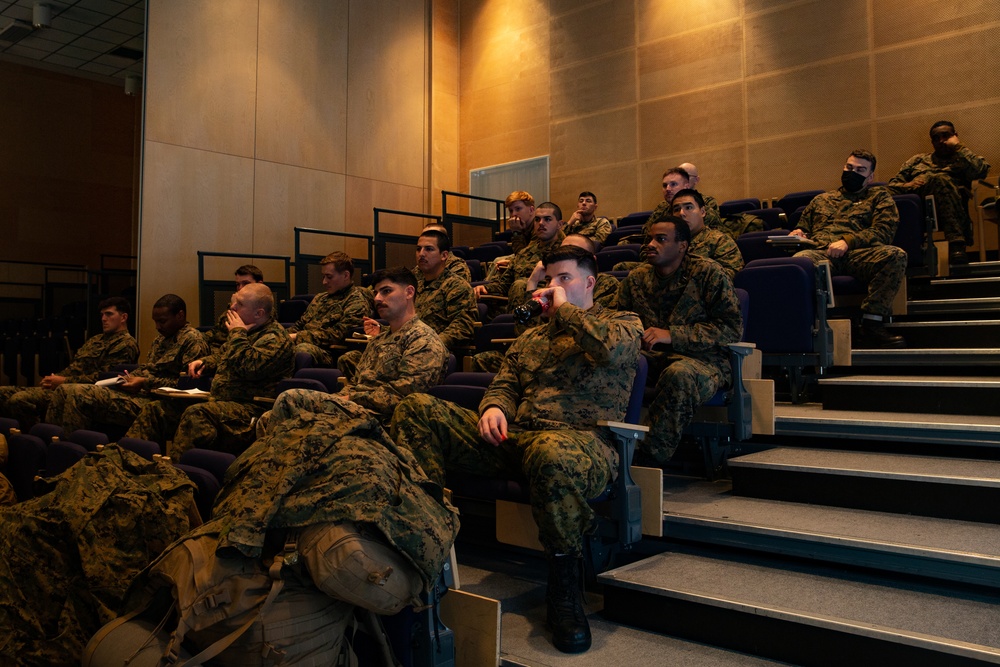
[(861, 167), (243, 306), (547, 225), (429, 258), (522, 215), (391, 299), (334, 280), (112, 320), (944, 139), (575, 283), (168, 324), (586, 206), (663, 250), (687, 209), (243, 281), (672, 184)]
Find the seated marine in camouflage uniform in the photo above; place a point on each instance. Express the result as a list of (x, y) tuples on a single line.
[(113, 346), (947, 174), (546, 235), (538, 418), (689, 205), (76, 406), (687, 303), (675, 180), (853, 227), (217, 336), (605, 293), (333, 313), (453, 265), (585, 222), (257, 355)]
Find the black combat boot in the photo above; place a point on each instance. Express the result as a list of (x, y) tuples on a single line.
[(566, 618), (873, 336), (957, 255)]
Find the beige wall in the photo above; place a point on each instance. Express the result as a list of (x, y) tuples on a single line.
[(765, 96), (264, 115)]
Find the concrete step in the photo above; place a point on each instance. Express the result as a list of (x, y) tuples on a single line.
[(709, 513), (804, 614), (955, 287), (961, 334), (953, 306), (964, 489), (811, 420), (918, 393), (949, 357)]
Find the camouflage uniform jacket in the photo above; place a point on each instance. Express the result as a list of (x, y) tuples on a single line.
[(330, 316), (570, 372), (597, 229), (962, 167), (454, 266), (323, 459), (519, 241), (448, 305), (862, 219), (251, 363), (605, 294), (696, 303), (523, 264), (169, 357), (396, 364), (99, 354), (217, 336), (713, 244), (663, 209)]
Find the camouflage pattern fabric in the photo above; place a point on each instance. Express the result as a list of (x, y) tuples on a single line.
[(555, 383), (663, 210), (69, 554), (740, 223), (328, 319), (219, 334), (76, 406), (522, 265), (99, 354), (447, 305), (713, 244), (867, 221), (596, 230), (699, 307), (248, 365), (456, 266), (326, 459), (519, 241), (396, 364), (949, 179)]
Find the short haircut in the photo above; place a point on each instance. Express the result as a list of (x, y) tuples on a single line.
[(252, 271), (681, 230), (172, 303), (862, 154), (434, 224), (693, 194), (118, 303), (341, 262), (262, 297), (680, 172), (554, 207), (941, 123), (588, 194), (591, 244), (399, 275), (585, 261), (440, 238), (519, 195)]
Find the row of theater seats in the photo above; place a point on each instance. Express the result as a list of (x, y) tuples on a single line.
[(46, 450), (33, 348)]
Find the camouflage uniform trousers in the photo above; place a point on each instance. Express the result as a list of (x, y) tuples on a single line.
[(488, 361), (951, 207), (76, 406), (564, 468), (347, 363), (321, 358), (882, 268), (25, 404), (225, 426), (682, 385)]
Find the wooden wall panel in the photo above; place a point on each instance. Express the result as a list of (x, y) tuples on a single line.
[(690, 122), (722, 171), (302, 84), (656, 19), (572, 36), (606, 138), (286, 197), (615, 187), (809, 98), (364, 194), (593, 86), (193, 200), (898, 21), (806, 162), (386, 91), (805, 33), (201, 72), (445, 110), (912, 78), (695, 60)]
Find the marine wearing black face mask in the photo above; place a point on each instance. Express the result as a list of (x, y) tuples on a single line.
[(852, 181)]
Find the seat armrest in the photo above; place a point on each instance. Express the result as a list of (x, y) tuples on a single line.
[(628, 499)]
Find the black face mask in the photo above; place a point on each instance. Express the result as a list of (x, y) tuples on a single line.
[(852, 181)]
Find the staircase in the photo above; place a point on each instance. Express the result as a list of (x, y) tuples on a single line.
[(867, 529)]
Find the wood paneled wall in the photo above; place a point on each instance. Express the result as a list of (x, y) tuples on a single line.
[(264, 115), (66, 169), (764, 96)]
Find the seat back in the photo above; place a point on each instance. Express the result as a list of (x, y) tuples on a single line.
[(47, 431), (87, 439), (784, 306), (25, 460), (774, 218), (794, 200), (624, 230), (754, 245), (290, 310), (62, 455), (734, 206), (7, 423), (144, 448), (610, 255), (328, 377), (910, 232)]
